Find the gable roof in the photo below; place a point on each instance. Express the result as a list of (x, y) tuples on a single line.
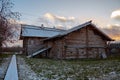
[(80, 27), (37, 31)]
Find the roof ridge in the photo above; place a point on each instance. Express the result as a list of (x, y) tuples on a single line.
[(39, 27), (77, 27)]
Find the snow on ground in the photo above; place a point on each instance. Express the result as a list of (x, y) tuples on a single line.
[(50, 69), (24, 71), (4, 66)]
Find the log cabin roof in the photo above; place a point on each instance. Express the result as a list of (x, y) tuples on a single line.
[(37, 31), (80, 27)]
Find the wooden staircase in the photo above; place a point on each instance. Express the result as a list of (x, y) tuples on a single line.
[(38, 52)]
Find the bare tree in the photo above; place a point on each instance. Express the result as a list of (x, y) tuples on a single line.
[(6, 16)]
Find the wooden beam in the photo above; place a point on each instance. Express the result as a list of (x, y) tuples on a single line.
[(65, 47), (98, 53), (87, 42), (77, 53)]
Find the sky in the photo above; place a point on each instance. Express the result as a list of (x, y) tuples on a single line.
[(69, 13), (99, 10)]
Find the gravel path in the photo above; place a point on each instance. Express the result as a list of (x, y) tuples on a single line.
[(24, 71), (4, 66)]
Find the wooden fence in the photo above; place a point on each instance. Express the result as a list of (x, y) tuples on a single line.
[(114, 49), (11, 49), (114, 45)]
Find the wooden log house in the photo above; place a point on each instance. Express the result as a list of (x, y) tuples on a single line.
[(82, 41)]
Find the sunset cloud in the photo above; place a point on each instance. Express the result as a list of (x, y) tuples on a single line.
[(116, 14), (113, 31)]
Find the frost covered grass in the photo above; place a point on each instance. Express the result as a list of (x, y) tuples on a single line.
[(2, 56), (49, 69), (5, 60)]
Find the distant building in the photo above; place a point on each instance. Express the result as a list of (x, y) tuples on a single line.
[(114, 48), (83, 41)]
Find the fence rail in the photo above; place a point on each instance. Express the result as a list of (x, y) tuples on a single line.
[(114, 45), (11, 49), (12, 73)]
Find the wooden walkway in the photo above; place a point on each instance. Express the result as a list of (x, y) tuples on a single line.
[(12, 73)]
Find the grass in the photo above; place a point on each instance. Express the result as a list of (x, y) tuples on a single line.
[(2, 56), (75, 69)]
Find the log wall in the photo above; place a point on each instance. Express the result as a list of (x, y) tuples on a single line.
[(84, 43), (56, 50), (31, 45), (76, 44), (97, 43)]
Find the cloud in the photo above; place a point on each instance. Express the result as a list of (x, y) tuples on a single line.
[(21, 22), (62, 22), (49, 16), (57, 21), (113, 31), (58, 18), (116, 14), (13, 21)]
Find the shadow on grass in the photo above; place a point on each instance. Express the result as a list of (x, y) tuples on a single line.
[(4, 55)]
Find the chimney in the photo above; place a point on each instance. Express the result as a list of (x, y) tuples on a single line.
[(42, 25)]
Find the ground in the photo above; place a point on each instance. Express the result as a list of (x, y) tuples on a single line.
[(24, 71), (51, 69), (4, 62)]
